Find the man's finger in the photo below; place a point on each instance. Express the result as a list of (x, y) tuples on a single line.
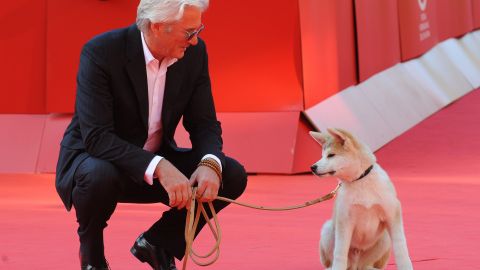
[(179, 197), (207, 195), (186, 195), (201, 190), (183, 200), (190, 194), (173, 198)]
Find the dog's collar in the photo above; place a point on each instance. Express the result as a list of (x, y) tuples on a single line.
[(365, 173)]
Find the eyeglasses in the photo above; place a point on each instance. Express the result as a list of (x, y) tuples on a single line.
[(190, 35)]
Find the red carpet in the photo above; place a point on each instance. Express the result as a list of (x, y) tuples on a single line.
[(435, 167)]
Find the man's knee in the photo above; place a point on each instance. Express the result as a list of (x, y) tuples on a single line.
[(98, 176), (234, 178)]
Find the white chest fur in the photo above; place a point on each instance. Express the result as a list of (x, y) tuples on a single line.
[(365, 205)]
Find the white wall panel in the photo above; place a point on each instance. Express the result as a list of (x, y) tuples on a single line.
[(459, 56), (351, 110)]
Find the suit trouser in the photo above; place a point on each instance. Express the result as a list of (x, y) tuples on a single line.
[(99, 186)]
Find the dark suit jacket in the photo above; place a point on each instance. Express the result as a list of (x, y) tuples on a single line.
[(111, 109)]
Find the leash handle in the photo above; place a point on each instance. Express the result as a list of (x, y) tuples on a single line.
[(191, 228), (192, 223)]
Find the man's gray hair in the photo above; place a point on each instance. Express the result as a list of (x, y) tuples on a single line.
[(155, 11)]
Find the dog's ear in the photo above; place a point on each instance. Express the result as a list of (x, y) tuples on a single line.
[(339, 135), (319, 137)]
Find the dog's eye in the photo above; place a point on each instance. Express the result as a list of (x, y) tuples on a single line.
[(330, 155)]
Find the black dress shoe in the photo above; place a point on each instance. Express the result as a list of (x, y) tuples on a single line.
[(158, 258), (84, 265), (89, 267)]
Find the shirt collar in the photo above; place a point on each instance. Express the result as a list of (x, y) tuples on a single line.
[(149, 56), (146, 51)]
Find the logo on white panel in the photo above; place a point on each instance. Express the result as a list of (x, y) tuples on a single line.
[(422, 4)]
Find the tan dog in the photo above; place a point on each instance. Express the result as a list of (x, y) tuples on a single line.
[(367, 216)]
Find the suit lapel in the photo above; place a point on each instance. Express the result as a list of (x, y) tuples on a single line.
[(137, 71), (138, 75)]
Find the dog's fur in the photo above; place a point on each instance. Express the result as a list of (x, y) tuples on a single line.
[(367, 216)]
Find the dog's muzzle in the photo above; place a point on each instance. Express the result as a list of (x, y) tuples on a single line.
[(314, 168)]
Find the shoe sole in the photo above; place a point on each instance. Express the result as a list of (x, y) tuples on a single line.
[(137, 255)]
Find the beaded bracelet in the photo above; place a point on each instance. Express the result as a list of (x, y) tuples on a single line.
[(212, 164)]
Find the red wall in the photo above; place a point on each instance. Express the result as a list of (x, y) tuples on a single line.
[(418, 28), (476, 13), (328, 48), (259, 59), (70, 24), (455, 18), (378, 39), (22, 54), (255, 55), (265, 56)]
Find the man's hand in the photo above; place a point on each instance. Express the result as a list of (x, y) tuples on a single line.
[(175, 183), (208, 183)]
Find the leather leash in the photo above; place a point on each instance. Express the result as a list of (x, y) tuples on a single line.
[(214, 253)]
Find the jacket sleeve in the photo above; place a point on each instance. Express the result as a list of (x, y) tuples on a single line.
[(200, 118), (94, 108)]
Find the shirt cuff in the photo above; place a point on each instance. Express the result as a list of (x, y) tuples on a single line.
[(214, 158), (148, 177)]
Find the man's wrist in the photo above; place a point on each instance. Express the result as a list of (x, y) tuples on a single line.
[(150, 172), (212, 164), (215, 158)]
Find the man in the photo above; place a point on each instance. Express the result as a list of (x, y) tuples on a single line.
[(133, 86)]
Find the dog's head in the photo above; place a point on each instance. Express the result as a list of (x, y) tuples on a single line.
[(343, 155)]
